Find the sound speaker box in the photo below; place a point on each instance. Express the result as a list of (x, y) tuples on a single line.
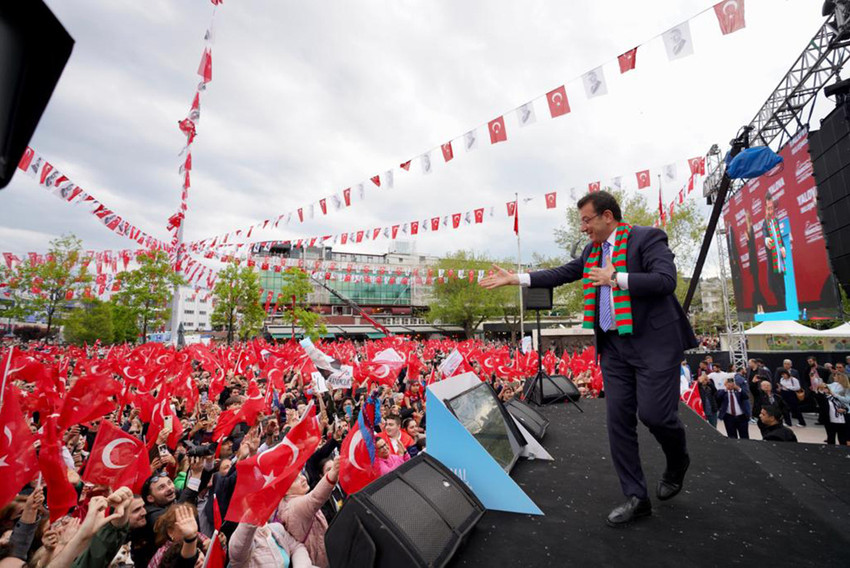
[(829, 148), (416, 515), (532, 420)]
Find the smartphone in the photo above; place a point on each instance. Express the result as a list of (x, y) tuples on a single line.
[(163, 450), (168, 423)]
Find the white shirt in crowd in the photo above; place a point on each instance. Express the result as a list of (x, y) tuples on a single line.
[(719, 378), (790, 384)]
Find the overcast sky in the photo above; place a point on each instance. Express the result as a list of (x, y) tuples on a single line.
[(309, 98)]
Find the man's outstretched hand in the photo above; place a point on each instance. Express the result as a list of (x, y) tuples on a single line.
[(500, 277)]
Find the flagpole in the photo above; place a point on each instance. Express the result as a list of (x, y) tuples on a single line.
[(519, 269)]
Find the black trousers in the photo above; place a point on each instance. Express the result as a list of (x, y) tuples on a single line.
[(835, 430), (635, 390), (737, 426), (776, 283)]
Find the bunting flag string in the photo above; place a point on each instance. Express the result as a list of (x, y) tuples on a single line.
[(474, 216), (678, 44), (46, 175), (189, 127)]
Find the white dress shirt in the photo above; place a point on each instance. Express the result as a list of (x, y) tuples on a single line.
[(621, 277)]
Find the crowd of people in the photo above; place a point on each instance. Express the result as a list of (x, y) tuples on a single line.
[(196, 415), (772, 400)]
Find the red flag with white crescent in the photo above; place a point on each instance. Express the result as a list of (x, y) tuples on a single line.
[(355, 468), (730, 16), (117, 459)]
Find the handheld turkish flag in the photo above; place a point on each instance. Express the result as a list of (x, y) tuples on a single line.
[(643, 179), (61, 495), (627, 60), (89, 399), (497, 130), (117, 459), (693, 399), (384, 367), (356, 467), (216, 557), (18, 462), (730, 15), (264, 479)]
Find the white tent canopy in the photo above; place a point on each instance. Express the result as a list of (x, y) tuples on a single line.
[(842, 330), (783, 328)]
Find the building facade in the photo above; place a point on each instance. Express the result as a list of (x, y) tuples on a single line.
[(195, 309)]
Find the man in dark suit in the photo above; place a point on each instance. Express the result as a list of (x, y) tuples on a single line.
[(733, 403), (641, 334), (787, 365)]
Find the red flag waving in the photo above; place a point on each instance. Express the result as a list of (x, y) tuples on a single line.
[(264, 479), (89, 399), (18, 463), (693, 399), (730, 15), (558, 103), (61, 495), (643, 179), (497, 130), (355, 468), (627, 60), (117, 459)]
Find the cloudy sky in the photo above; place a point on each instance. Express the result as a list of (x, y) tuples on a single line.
[(309, 98)]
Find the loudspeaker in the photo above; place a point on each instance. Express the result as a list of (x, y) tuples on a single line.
[(555, 388), (537, 298), (829, 148), (532, 420), (34, 48), (416, 515)]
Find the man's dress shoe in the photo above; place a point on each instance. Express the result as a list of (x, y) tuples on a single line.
[(632, 509)]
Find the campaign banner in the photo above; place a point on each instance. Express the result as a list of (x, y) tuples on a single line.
[(777, 251)]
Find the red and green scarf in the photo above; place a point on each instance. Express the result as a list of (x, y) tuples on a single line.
[(775, 254), (622, 300)]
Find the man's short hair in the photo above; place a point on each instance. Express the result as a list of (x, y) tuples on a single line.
[(786, 361), (774, 412), (602, 201), (394, 417)]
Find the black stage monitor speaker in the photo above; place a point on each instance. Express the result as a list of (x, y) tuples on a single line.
[(830, 151), (555, 388), (34, 48), (537, 298), (532, 420), (416, 515)]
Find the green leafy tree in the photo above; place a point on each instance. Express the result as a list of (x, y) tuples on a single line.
[(147, 290), (43, 290), (297, 285), (684, 231), (237, 308), (461, 302), (89, 322), (124, 324)]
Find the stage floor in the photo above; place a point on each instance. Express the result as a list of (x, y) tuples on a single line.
[(746, 502)]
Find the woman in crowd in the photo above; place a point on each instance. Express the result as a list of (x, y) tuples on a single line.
[(789, 389)]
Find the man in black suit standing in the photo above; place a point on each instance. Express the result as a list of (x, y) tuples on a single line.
[(641, 333), (734, 407)]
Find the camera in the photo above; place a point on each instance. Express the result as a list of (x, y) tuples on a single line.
[(201, 450)]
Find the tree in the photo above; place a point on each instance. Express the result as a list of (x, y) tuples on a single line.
[(237, 307), (45, 289), (685, 230), (124, 326), (460, 300), (89, 322), (297, 285), (148, 289)]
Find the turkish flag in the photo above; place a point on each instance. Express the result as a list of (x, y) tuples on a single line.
[(18, 462), (511, 208), (627, 60), (323, 204), (551, 200), (89, 399), (359, 237), (301, 214), (497, 130), (61, 495), (730, 15), (456, 220), (376, 180), (205, 68), (697, 165), (693, 399), (249, 412), (479, 215), (346, 195), (558, 103), (216, 557), (356, 470), (26, 159), (593, 186), (681, 196), (643, 179), (405, 166), (264, 479), (160, 410), (435, 223), (117, 459), (414, 227), (448, 153), (394, 231)]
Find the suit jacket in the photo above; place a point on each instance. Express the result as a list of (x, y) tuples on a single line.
[(760, 400), (661, 330), (742, 399), (776, 376)]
